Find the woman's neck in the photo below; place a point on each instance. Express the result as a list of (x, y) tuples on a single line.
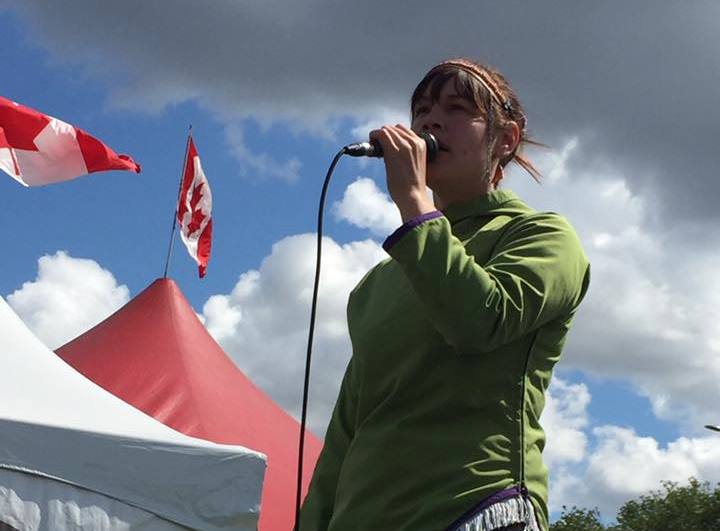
[(443, 199), (466, 188)]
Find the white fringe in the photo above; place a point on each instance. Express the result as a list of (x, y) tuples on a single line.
[(518, 510)]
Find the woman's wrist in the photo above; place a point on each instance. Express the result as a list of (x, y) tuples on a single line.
[(414, 208)]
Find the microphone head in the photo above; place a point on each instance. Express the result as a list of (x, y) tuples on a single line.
[(432, 145)]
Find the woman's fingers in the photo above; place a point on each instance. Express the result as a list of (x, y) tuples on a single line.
[(406, 131), (385, 138), (397, 138), (416, 142), (404, 157), (406, 139), (401, 147)]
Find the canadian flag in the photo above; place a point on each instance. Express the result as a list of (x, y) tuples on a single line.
[(36, 149), (194, 208)]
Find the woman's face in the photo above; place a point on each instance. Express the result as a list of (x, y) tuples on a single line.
[(459, 127)]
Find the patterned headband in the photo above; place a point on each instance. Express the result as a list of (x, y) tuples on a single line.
[(484, 80)]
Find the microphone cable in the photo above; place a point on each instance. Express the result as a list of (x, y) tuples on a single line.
[(354, 150), (313, 312)]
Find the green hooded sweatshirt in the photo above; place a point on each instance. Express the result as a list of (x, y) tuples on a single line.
[(454, 341)]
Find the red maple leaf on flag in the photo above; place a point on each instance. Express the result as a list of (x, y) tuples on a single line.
[(197, 214)]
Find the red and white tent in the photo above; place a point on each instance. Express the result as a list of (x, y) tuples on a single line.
[(155, 354), (73, 456)]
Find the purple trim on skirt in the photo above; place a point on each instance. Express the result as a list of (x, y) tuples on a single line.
[(408, 226), (502, 495)]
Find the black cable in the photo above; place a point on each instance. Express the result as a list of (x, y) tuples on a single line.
[(354, 150), (313, 311)]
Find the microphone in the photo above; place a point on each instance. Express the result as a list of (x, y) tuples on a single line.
[(374, 149)]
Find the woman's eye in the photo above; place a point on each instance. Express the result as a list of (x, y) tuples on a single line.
[(420, 110)]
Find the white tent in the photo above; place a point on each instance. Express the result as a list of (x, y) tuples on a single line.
[(73, 456)]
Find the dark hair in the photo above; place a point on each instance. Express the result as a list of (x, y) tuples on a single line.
[(481, 85)]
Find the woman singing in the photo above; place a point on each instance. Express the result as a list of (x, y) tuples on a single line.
[(455, 336)]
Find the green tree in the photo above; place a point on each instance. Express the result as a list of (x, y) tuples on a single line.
[(694, 507), (578, 519)]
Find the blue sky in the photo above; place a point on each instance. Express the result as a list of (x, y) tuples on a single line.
[(134, 212), (637, 381)]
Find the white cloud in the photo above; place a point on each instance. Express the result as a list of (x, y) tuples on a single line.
[(606, 466), (625, 465), (650, 314), (366, 206), (564, 419), (68, 296), (259, 164), (219, 317), (263, 322)]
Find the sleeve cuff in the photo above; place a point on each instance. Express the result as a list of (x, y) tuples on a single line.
[(408, 226)]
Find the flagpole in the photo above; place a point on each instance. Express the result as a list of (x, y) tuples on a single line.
[(182, 176)]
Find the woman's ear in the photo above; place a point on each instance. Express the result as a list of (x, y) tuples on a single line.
[(508, 140)]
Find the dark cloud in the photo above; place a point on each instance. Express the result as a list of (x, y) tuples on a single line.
[(641, 78)]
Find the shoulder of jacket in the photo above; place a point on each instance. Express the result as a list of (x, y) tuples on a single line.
[(548, 219), (548, 226), (371, 274)]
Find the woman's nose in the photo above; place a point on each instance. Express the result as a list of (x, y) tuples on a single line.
[(432, 120)]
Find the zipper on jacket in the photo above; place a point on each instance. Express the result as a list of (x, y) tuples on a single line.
[(522, 412)]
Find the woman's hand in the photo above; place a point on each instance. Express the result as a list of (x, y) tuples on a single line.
[(405, 158)]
